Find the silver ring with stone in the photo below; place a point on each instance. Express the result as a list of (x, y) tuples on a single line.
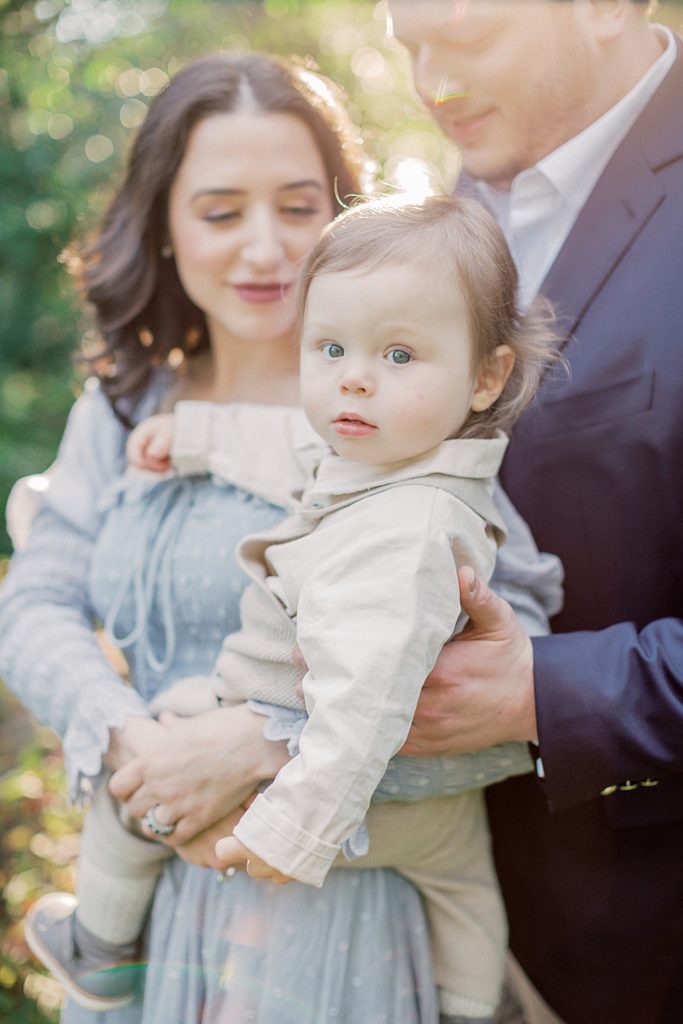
[(150, 820)]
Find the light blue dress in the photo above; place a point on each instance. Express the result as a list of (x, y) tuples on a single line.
[(154, 560), (164, 580)]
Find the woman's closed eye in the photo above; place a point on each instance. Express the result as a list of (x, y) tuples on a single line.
[(300, 211), (221, 215)]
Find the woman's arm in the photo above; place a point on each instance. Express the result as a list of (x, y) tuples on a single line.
[(49, 654)]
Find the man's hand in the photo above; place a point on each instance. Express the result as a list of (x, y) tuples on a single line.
[(481, 690), (149, 445), (231, 853)]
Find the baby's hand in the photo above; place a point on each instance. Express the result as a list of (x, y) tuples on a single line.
[(231, 853), (149, 445)]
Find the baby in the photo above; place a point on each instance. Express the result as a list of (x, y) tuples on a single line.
[(414, 360)]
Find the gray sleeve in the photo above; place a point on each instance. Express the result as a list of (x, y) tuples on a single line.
[(531, 581), (49, 653)]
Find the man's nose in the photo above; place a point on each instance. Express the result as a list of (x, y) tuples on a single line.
[(435, 80)]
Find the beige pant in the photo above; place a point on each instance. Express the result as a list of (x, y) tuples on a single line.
[(441, 845), (534, 1008)]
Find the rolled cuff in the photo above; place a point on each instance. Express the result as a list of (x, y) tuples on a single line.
[(284, 845)]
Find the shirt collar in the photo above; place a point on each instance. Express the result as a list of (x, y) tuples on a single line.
[(573, 169), (472, 458)]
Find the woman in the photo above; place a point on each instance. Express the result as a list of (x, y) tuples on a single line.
[(235, 171), (233, 175)]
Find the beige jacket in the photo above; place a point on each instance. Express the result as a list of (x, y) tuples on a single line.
[(362, 578)]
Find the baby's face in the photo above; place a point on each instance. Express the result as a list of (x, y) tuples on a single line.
[(386, 362)]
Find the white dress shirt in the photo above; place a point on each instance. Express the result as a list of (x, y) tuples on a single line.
[(538, 211)]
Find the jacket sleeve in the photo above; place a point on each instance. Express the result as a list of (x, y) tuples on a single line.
[(227, 441), (49, 653), (371, 622), (610, 712)]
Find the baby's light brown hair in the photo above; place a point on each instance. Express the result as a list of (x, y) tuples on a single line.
[(456, 236)]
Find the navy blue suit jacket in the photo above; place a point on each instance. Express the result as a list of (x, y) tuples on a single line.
[(594, 883)]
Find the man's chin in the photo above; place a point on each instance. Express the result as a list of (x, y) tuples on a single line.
[(493, 172)]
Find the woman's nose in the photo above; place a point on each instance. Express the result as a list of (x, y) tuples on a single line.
[(264, 245)]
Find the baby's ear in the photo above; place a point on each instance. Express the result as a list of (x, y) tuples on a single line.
[(491, 378)]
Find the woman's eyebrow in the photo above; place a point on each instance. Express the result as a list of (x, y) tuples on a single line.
[(218, 192), (290, 186), (305, 183)]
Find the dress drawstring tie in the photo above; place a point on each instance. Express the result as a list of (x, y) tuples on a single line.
[(148, 581)]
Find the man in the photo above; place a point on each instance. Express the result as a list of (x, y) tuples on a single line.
[(569, 116)]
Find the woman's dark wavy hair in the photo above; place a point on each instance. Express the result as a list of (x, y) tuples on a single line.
[(141, 309)]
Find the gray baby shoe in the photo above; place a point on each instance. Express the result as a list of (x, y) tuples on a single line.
[(95, 975)]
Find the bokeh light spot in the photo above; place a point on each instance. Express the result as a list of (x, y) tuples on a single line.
[(132, 113), (152, 81), (99, 148), (42, 214), (59, 126), (368, 63)]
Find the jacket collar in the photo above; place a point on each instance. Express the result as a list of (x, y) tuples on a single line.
[(465, 458), (625, 197), (623, 200)]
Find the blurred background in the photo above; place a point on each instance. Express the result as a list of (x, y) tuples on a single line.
[(76, 77)]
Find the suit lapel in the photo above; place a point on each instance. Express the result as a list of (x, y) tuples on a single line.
[(620, 205)]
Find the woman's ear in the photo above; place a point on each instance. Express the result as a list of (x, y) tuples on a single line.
[(491, 378)]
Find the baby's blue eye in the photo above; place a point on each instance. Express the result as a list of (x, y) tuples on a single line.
[(332, 351), (399, 356)]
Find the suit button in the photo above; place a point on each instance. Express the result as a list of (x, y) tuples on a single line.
[(608, 790), (648, 783), (628, 786)]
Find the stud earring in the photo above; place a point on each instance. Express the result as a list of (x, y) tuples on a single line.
[(166, 252)]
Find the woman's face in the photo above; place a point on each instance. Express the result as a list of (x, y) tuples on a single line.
[(246, 207)]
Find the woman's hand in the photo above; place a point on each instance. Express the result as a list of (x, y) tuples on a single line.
[(138, 733), (202, 849), (481, 690), (231, 853), (194, 771)]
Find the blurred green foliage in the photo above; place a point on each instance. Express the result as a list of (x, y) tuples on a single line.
[(75, 80), (38, 849)]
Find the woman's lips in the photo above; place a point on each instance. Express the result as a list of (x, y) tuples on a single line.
[(350, 425), (258, 293)]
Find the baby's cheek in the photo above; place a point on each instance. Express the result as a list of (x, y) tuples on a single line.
[(421, 410)]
